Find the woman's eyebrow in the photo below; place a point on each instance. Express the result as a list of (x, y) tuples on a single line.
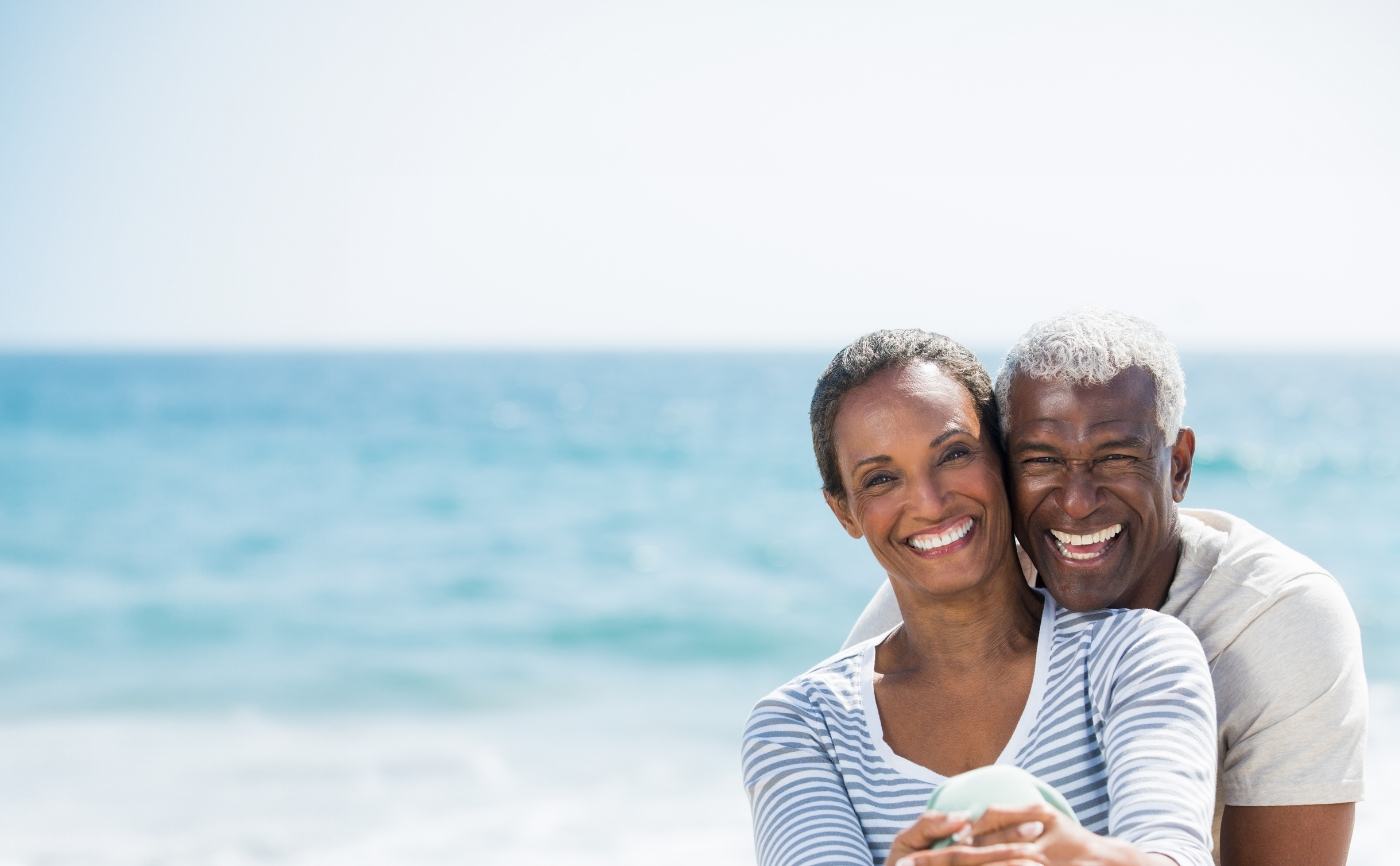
[(946, 435), (878, 458), (885, 458)]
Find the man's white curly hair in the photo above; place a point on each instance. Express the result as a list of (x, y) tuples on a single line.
[(1090, 347)]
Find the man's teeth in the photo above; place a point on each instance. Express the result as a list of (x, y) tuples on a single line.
[(1067, 538), (932, 541)]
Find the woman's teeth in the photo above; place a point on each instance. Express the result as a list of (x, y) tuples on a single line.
[(1064, 540), (934, 540)]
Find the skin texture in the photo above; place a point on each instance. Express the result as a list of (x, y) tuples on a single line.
[(1287, 835), (952, 682), (915, 461), (1013, 837), (1085, 458), (1081, 458)]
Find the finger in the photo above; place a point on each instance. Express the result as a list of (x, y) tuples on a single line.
[(962, 855), (1007, 817), (1026, 831), (930, 827)]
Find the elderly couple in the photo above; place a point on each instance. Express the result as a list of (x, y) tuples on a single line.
[(1129, 653)]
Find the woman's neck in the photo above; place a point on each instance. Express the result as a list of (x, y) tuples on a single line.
[(952, 636)]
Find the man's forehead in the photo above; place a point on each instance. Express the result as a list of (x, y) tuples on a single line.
[(1128, 400)]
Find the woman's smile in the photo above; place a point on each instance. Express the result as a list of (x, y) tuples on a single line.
[(944, 538), (922, 480)]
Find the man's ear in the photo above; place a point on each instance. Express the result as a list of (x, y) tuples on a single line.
[(843, 513), (1182, 452)]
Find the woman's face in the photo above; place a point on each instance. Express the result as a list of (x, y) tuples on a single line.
[(923, 483)]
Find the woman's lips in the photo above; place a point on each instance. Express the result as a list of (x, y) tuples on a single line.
[(937, 540)]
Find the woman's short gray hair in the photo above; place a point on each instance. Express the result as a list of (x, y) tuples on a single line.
[(856, 364), (1090, 347)]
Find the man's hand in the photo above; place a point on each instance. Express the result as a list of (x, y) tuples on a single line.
[(1286, 835)]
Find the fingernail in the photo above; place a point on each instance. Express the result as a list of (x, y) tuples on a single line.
[(963, 835), (905, 861), (1031, 829), (959, 817)]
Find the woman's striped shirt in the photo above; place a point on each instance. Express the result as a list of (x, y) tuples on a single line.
[(1120, 718)]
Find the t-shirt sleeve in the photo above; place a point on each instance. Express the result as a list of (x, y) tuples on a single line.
[(801, 811), (1158, 715), (1292, 694)]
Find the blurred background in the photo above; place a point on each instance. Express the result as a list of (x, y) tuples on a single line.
[(403, 446)]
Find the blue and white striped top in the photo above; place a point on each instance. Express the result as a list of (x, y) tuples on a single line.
[(1120, 718)]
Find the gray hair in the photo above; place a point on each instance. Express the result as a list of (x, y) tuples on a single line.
[(856, 364), (1090, 347)]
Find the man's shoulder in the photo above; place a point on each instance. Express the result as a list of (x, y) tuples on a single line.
[(1244, 579), (1247, 555)]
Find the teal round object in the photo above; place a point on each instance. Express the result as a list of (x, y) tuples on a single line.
[(996, 785)]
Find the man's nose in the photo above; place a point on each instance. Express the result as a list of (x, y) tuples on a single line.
[(1079, 497)]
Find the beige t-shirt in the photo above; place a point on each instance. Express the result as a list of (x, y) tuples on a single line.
[(1285, 656)]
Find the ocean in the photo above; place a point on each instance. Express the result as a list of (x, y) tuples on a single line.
[(491, 608)]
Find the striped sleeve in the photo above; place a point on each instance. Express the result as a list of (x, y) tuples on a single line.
[(1157, 708), (801, 811)]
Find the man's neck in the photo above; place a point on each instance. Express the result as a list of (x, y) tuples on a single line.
[(1151, 591)]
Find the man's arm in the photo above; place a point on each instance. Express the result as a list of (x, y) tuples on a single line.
[(1292, 695), (1286, 835)]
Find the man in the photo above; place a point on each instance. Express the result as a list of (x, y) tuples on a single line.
[(1097, 460)]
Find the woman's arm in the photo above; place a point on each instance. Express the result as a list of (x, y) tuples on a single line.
[(1155, 710), (1158, 714), (802, 814)]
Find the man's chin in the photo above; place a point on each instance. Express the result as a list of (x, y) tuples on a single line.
[(1080, 592)]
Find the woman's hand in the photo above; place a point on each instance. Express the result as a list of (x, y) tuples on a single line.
[(1057, 840), (910, 847)]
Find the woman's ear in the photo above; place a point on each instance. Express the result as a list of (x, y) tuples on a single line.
[(842, 511)]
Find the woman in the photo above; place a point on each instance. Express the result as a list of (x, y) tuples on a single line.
[(1114, 708)]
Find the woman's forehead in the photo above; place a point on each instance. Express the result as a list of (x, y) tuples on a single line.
[(912, 400)]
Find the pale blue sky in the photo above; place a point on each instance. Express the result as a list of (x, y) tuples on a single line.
[(718, 173)]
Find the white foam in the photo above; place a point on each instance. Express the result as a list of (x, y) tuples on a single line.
[(569, 788), (254, 790)]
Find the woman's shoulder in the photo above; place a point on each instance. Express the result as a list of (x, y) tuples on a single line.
[(1112, 636), (1115, 625), (832, 687)]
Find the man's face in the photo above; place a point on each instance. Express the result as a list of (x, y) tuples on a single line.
[(1094, 488)]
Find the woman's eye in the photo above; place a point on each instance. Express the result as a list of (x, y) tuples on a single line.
[(875, 479), (957, 452)]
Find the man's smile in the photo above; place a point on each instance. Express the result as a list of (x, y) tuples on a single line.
[(1083, 547)]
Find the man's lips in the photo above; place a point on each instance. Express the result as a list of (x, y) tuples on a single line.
[(943, 538), (1085, 546)]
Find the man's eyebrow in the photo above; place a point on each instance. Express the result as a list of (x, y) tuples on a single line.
[(1039, 447), (1126, 442)]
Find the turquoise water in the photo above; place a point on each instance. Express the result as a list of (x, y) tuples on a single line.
[(497, 540)]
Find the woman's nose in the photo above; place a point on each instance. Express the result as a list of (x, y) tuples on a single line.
[(927, 497)]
